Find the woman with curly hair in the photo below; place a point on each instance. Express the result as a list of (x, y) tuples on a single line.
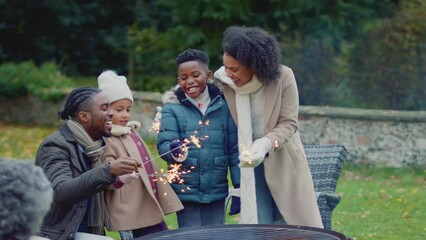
[(276, 183)]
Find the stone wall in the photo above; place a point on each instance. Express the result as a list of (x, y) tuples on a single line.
[(391, 138), (30, 111)]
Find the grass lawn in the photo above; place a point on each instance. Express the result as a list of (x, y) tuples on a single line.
[(381, 203), (377, 202)]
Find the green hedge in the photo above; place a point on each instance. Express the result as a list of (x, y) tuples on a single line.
[(45, 82)]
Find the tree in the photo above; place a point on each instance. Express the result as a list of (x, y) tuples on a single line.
[(389, 61), (313, 36), (83, 37)]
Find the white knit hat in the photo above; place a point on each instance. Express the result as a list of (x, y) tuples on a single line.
[(114, 86)]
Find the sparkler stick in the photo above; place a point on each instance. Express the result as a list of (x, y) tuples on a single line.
[(195, 140), (245, 151), (173, 174)]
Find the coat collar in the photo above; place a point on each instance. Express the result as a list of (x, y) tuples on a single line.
[(213, 92), (66, 132), (69, 137)]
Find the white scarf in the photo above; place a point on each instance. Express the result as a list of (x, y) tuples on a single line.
[(202, 101), (118, 130), (248, 213)]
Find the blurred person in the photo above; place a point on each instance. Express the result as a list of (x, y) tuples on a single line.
[(26, 195), (71, 160), (197, 108), (138, 203), (262, 95)]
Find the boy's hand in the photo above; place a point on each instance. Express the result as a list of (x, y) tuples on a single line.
[(235, 206), (179, 155)]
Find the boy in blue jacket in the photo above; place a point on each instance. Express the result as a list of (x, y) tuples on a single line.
[(196, 108)]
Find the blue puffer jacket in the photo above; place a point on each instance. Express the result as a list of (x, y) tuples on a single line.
[(209, 164)]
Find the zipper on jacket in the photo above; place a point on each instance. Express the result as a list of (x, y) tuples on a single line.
[(183, 136), (225, 139)]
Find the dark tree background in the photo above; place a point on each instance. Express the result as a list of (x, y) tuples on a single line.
[(363, 53)]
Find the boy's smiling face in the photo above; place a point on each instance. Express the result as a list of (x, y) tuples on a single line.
[(193, 77)]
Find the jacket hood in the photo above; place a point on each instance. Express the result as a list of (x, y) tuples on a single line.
[(218, 78)]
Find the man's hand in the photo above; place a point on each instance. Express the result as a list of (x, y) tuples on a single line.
[(123, 165)]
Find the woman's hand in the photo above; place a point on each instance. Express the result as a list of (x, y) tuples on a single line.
[(258, 151)]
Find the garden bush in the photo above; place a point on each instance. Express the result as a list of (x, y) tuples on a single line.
[(45, 82)]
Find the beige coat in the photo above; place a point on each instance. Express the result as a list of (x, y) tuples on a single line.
[(286, 169), (134, 205)]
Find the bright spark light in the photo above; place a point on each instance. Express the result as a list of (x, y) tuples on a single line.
[(174, 170), (173, 175), (245, 152), (206, 123), (170, 176), (193, 139), (155, 126)]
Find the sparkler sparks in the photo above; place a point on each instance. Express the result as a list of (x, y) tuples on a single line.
[(172, 175), (195, 140), (156, 123), (155, 126), (245, 152), (206, 123), (174, 172), (276, 144)]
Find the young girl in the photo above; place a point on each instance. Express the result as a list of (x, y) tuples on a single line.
[(201, 111), (136, 202)]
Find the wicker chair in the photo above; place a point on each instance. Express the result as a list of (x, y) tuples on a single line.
[(325, 162)]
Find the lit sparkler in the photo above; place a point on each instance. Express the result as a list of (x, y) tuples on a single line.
[(193, 139), (155, 126), (172, 175), (156, 123), (276, 144), (245, 153), (174, 170)]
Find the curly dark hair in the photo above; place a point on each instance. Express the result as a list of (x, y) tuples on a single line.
[(76, 100), (192, 55), (26, 195), (253, 47)]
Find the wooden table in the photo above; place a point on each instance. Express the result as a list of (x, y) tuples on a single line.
[(247, 232)]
